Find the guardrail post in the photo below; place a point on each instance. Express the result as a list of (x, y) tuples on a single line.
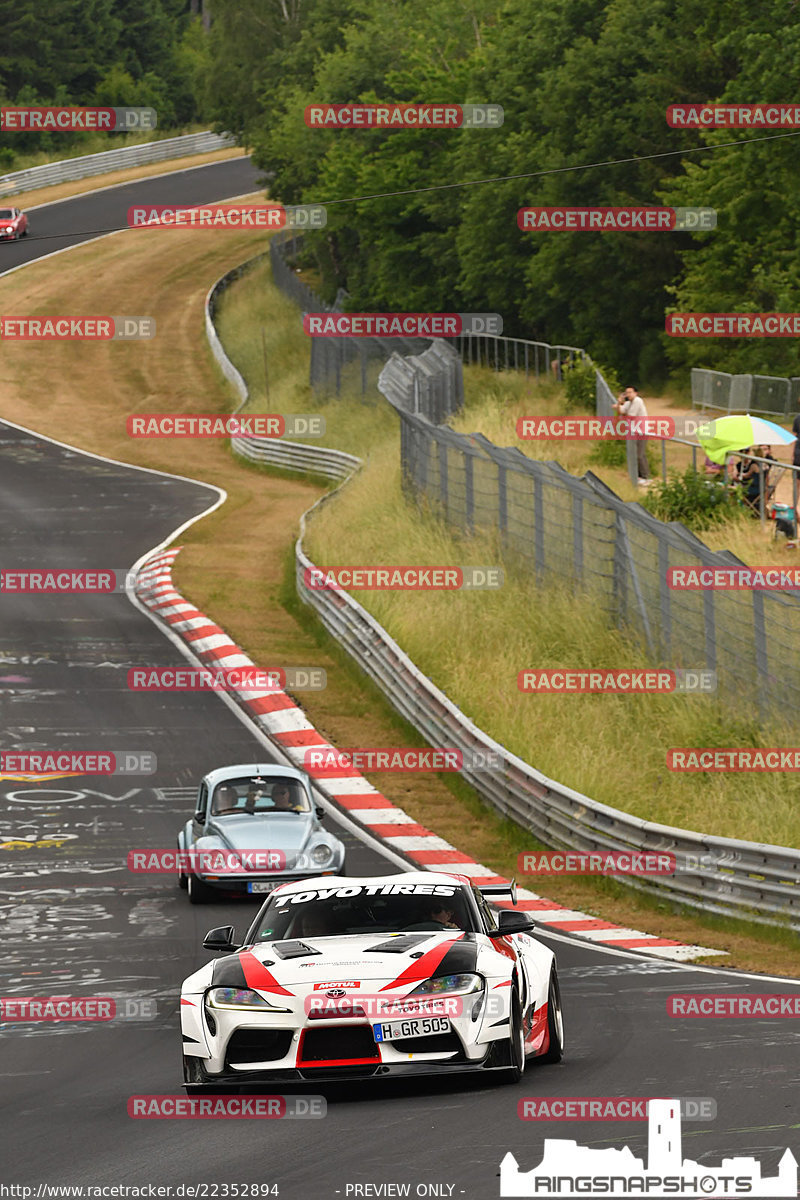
[(665, 599), (577, 536)]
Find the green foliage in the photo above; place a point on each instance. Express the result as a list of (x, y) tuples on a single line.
[(580, 383), (692, 499), (149, 53)]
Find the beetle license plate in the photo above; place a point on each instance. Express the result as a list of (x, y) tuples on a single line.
[(262, 885), (391, 1031)]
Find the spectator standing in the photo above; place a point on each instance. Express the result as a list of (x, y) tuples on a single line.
[(630, 404)]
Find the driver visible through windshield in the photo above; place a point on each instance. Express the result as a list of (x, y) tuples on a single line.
[(365, 908), (260, 795)]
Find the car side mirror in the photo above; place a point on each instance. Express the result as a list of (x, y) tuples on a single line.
[(320, 811), (221, 939), (512, 922), (200, 816)]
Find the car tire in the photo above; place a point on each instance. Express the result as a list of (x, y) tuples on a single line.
[(183, 881), (555, 1022), (516, 1042), (25, 232), (199, 892)]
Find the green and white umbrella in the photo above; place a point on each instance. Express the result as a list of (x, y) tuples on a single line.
[(726, 435)]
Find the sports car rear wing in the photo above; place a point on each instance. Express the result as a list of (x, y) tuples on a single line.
[(499, 889)]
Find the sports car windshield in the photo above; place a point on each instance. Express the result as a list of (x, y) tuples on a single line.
[(365, 908), (260, 794), (6, 214)]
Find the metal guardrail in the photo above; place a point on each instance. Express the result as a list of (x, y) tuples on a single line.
[(291, 456), (747, 880), (772, 394), (112, 160)]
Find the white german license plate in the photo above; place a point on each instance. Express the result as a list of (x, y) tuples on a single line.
[(390, 1031), (262, 885)]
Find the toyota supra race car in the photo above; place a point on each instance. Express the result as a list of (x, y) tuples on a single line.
[(408, 974), (255, 826)]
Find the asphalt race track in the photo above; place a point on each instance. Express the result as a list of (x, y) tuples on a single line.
[(74, 921)]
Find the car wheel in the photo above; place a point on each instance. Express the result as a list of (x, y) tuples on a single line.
[(555, 1022), (183, 881), (25, 231), (516, 1043), (199, 892)]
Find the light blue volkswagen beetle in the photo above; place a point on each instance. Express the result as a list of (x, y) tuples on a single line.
[(255, 826)]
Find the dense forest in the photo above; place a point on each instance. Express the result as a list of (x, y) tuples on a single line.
[(584, 84)]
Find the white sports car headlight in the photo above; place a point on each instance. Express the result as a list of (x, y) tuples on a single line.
[(239, 998), (449, 985)]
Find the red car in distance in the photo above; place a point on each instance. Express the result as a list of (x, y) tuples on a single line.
[(13, 224)]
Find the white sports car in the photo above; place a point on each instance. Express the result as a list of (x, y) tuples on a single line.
[(407, 974)]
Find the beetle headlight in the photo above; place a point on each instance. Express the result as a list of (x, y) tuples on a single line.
[(321, 854), (239, 998)]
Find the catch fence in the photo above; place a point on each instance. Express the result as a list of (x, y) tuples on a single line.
[(770, 394)]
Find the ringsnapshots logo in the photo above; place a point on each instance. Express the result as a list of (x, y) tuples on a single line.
[(108, 120), (264, 1108), (76, 329), (402, 579), (44, 764), (326, 761), (608, 1108), (618, 681), (251, 217), (227, 679), (595, 862), (567, 1169), (24, 1009), (414, 325), (734, 116), (616, 220), (404, 116), (212, 425), (732, 325)]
